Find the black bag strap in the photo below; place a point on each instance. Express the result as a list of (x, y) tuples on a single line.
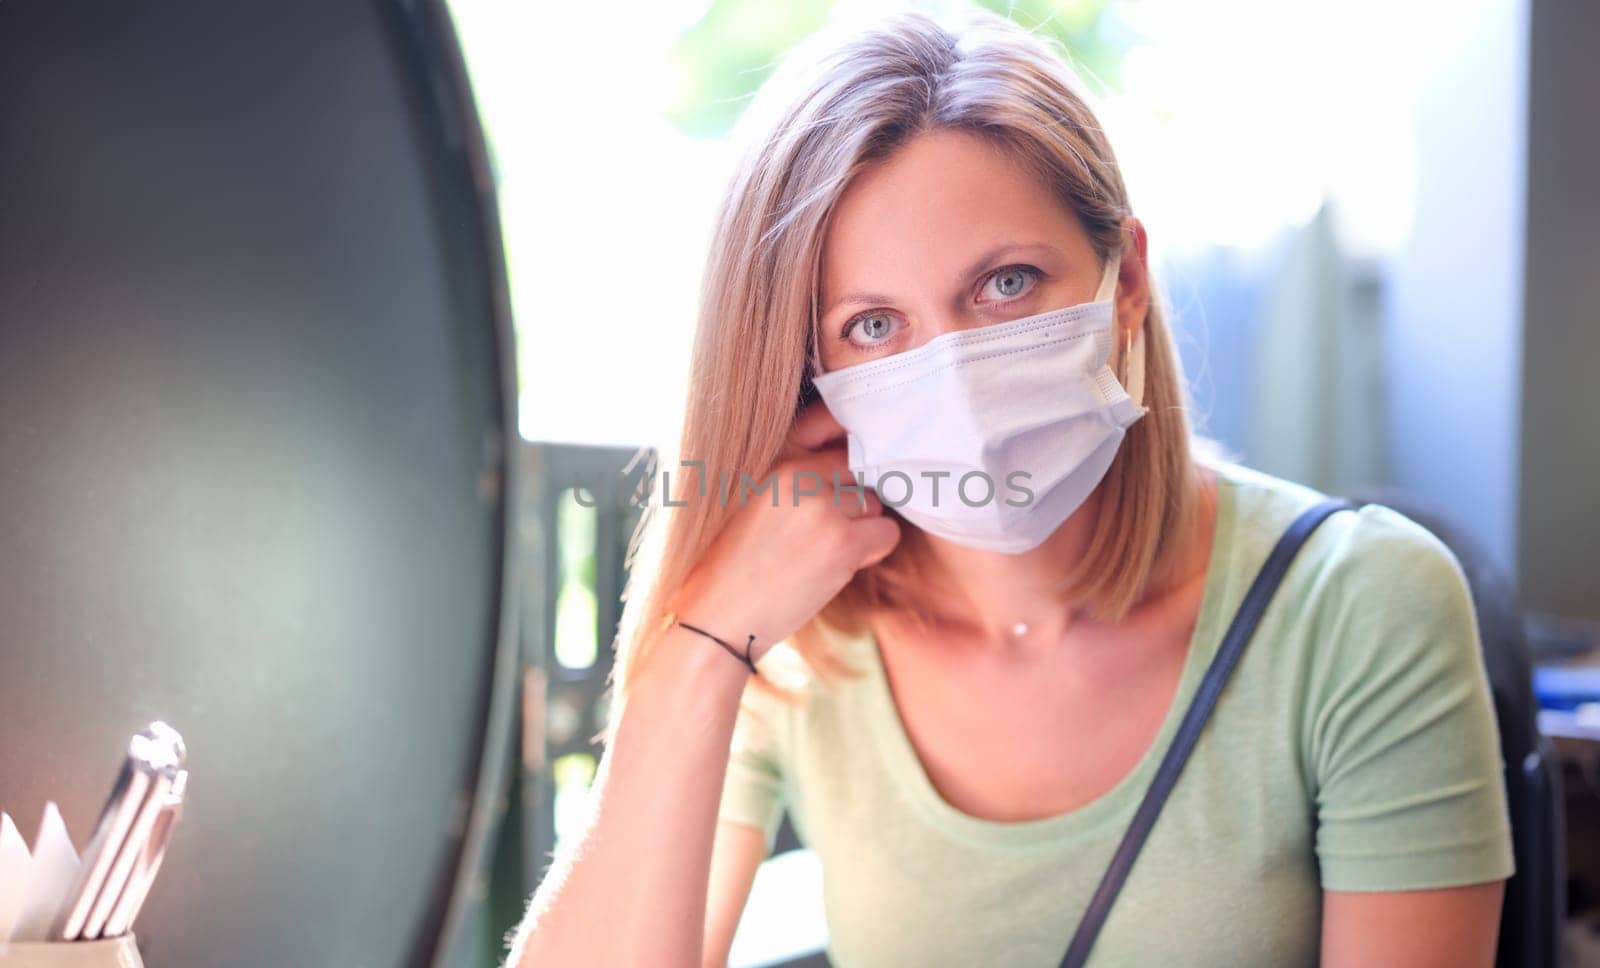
[(1244, 623)]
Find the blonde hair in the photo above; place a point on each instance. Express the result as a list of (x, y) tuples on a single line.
[(827, 113)]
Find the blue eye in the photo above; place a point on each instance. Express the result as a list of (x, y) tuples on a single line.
[(1012, 281), (876, 327), (873, 328)]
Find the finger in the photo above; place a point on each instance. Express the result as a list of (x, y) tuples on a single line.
[(828, 462), (874, 538), (814, 428), (855, 500)]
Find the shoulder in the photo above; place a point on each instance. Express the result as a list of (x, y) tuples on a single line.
[(1366, 565), (1374, 629), (1382, 575), (1372, 600)]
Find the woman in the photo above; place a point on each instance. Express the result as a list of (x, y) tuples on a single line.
[(930, 232)]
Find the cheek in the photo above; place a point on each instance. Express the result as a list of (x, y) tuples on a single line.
[(1066, 294)]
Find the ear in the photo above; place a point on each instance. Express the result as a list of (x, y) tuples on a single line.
[(1133, 280)]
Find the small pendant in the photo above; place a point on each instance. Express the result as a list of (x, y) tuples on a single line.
[(1019, 630)]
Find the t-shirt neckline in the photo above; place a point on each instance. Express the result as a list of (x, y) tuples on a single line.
[(1116, 803)]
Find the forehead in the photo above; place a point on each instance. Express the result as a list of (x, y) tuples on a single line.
[(931, 205)]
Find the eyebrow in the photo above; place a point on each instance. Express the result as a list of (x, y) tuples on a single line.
[(977, 266)]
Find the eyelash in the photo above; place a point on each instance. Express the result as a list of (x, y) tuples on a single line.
[(849, 324)]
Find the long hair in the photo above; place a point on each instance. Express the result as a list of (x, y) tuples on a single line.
[(832, 108)]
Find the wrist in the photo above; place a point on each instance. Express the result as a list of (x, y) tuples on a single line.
[(726, 621), (744, 656), (678, 636), (698, 681)]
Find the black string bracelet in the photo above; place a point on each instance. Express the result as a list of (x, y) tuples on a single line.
[(749, 663)]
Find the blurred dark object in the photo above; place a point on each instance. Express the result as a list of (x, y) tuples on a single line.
[(1555, 638), (255, 405)]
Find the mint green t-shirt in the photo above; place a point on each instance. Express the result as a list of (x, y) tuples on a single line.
[(1353, 749)]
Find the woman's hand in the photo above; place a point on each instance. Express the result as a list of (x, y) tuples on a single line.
[(774, 566)]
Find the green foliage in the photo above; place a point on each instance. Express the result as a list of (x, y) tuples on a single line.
[(726, 55), (1079, 26)]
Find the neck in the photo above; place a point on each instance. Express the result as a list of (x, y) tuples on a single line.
[(1006, 602), (1010, 604)]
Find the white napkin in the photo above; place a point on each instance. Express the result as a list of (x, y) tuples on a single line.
[(33, 886), (55, 867), (15, 866)]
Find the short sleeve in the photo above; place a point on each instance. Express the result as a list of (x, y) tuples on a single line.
[(752, 792), (1402, 739)]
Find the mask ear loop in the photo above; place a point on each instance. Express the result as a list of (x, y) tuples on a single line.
[(1132, 343), (1133, 353)]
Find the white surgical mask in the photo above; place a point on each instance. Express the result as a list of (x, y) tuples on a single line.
[(991, 437)]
